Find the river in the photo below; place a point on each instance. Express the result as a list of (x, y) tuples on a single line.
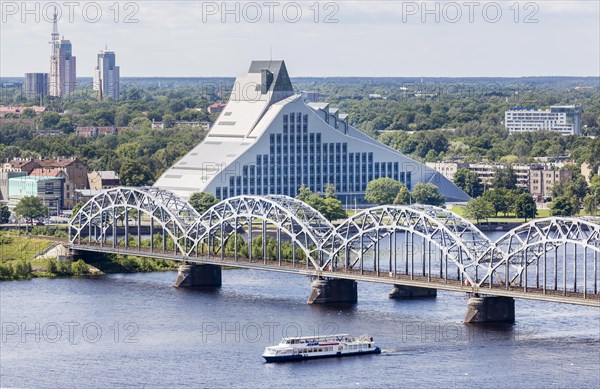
[(138, 330)]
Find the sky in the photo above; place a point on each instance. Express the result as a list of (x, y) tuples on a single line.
[(315, 38)]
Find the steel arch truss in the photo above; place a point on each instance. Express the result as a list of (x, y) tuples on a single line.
[(304, 226), (459, 241), (549, 256), (555, 253), (98, 220)]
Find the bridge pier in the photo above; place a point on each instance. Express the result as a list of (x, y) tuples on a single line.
[(333, 291), (400, 292), (490, 309), (201, 275)]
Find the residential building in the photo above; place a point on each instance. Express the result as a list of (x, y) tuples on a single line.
[(36, 84), (18, 111), (204, 125), (107, 76), (216, 108), (101, 180), (588, 172), (75, 176), (63, 64), (272, 143), (542, 182), (447, 169), (537, 178), (48, 189), (91, 132), (565, 119)]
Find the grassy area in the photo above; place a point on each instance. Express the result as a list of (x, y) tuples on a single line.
[(15, 248), (510, 218), (18, 252)]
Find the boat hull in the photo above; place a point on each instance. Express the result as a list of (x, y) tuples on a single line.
[(300, 357)]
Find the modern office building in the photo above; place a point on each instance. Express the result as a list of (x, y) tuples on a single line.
[(48, 189), (268, 140), (565, 119), (36, 84), (63, 65), (106, 76)]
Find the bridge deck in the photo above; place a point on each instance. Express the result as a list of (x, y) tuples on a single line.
[(431, 282)]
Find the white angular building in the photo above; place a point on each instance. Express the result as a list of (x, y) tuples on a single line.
[(267, 140)]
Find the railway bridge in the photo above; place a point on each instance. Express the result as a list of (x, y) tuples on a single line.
[(418, 249)]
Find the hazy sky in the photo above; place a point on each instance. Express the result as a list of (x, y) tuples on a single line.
[(336, 38)]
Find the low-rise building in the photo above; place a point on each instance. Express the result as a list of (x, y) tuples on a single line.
[(18, 111), (204, 125), (92, 131), (542, 181), (75, 176), (448, 169), (48, 189), (538, 179), (102, 180), (216, 108)]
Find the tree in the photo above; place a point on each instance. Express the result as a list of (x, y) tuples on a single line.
[(30, 208), (382, 191), (76, 209), (135, 173), (201, 201), (330, 191), (479, 208), (524, 206), (330, 207), (427, 194), (403, 196), (564, 206), (4, 214), (500, 200), (49, 120), (591, 202), (590, 205), (469, 182), (505, 178)]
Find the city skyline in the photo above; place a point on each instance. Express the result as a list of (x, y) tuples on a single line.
[(401, 40)]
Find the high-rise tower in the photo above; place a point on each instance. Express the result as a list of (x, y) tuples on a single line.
[(63, 64), (106, 76)]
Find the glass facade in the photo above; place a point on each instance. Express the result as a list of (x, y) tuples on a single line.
[(298, 157)]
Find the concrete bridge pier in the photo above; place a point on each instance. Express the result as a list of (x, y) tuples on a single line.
[(400, 292), (333, 291), (490, 309), (198, 275)]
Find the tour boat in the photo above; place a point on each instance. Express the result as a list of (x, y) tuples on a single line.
[(312, 347)]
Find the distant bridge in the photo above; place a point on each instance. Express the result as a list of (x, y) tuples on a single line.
[(553, 259)]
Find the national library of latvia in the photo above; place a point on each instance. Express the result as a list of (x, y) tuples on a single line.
[(269, 141)]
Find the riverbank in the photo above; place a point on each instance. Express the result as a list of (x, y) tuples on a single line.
[(22, 258)]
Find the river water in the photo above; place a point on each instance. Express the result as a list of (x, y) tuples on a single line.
[(131, 330)]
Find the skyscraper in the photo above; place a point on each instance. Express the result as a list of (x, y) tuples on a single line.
[(62, 64), (106, 76), (36, 84)]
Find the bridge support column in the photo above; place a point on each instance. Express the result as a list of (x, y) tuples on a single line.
[(333, 291), (490, 309), (400, 292), (198, 275)]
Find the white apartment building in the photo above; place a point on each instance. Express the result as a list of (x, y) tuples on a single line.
[(565, 119)]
